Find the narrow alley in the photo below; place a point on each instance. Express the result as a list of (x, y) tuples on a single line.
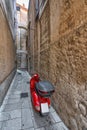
[(17, 113), (46, 39)]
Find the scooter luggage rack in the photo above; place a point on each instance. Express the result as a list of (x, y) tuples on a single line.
[(44, 88)]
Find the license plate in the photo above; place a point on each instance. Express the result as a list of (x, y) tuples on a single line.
[(44, 108)]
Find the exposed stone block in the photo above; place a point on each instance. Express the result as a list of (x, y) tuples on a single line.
[(74, 125), (82, 109)]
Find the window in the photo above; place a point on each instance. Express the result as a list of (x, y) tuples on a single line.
[(18, 8)]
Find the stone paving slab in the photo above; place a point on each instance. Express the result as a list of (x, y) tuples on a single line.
[(17, 96), (55, 117), (26, 119), (57, 126), (12, 101), (10, 115), (11, 107), (17, 112), (25, 103), (14, 124), (41, 128)]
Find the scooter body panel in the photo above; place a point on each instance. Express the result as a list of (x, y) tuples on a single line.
[(37, 101), (40, 103)]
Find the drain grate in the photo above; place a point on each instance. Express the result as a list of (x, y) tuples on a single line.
[(24, 95)]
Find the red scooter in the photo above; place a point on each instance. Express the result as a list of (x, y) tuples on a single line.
[(41, 92)]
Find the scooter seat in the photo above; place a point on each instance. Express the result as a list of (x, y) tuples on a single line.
[(44, 88)]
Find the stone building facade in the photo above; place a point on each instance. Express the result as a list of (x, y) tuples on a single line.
[(21, 36), (58, 52), (7, 45), (31, 36)]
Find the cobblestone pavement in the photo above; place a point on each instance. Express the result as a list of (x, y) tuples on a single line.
[(17, 113)]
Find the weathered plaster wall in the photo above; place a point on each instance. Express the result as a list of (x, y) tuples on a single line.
[(7, 54)]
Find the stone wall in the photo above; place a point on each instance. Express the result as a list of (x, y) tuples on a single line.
[(36, 48), (23, 34), (31, 36), (68, 61), (68, 65), (61, 50), (42, 43), (7, 54)]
